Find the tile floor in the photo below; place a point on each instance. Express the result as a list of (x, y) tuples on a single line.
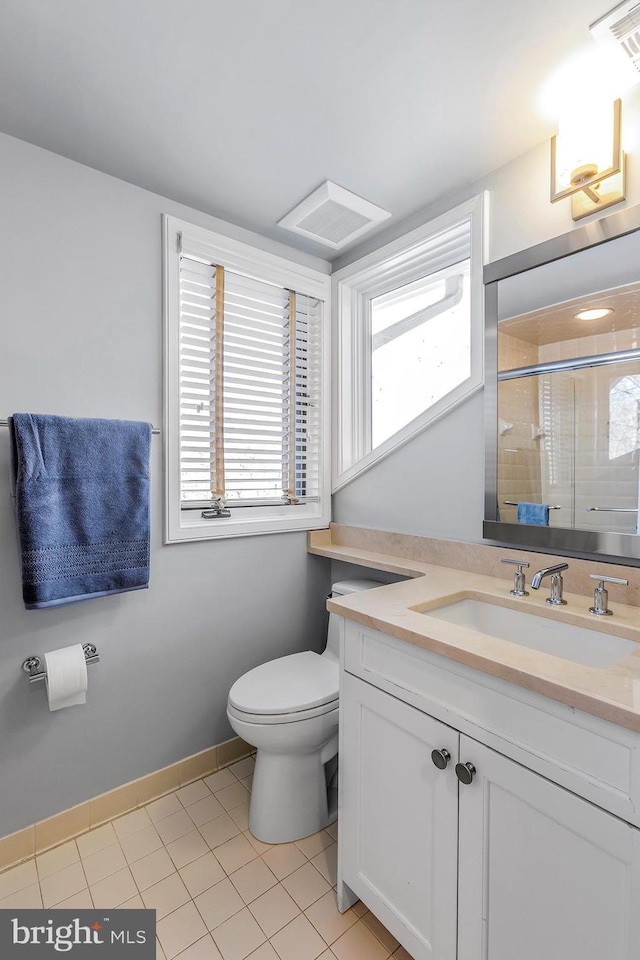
[(219, 894)]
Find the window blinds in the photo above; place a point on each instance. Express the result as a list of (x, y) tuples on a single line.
[(249, 390)]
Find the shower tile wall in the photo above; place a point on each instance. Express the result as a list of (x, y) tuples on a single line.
[(519, 472)]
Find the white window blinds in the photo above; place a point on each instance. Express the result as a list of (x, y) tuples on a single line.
[(250, 362)]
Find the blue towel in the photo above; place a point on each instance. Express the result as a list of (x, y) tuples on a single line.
[(81, 491), (534, 513)]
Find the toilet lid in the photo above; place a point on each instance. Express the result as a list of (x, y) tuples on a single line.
[(287, 685)]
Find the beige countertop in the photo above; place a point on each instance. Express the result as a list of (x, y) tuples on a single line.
[(397, 609)]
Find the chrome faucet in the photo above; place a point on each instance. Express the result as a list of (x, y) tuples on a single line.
[(556, 582)]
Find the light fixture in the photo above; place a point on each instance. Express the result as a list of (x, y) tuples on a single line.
[(593, 313), (587, 161)]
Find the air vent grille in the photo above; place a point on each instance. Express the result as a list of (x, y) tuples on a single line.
[(622, 26), (333, 216), (333, 222)]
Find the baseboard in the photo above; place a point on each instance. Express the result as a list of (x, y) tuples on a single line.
[(41, 836)]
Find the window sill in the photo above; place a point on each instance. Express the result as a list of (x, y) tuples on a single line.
[(185, 529)]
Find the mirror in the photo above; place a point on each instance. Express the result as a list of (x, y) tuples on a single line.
[(563, 393)]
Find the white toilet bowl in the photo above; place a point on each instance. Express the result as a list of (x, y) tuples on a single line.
[(288, 709)]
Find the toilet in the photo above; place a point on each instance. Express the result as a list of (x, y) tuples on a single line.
[(288, 709)]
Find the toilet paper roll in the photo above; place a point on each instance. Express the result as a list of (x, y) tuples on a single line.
[(66, 676)]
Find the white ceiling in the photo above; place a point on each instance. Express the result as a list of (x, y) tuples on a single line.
[(240, 108)]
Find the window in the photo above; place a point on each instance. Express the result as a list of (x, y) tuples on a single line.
[(246, 362), (409, 334)]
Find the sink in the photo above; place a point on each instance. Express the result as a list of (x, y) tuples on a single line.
[(578, 644)]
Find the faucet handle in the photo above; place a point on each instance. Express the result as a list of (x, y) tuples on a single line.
[(518, 577), (601, 595)]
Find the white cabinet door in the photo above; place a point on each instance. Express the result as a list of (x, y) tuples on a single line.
[(399, 818), (544, 875)]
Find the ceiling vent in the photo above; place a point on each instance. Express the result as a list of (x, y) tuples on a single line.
[(622, 26), (333, 216)]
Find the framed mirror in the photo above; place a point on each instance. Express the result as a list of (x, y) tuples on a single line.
[(562, 388)]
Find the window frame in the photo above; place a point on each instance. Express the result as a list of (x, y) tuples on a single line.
[(238, 257), (354, 286)]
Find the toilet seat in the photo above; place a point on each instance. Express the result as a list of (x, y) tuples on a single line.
[(287, 689), (274, 718)]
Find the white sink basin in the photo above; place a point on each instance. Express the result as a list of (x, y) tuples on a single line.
[(578, 644)]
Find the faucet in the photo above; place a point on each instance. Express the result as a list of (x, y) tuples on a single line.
[(556, 582)]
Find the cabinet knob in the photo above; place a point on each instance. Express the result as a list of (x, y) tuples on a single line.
[(465, 772), (440, 758)]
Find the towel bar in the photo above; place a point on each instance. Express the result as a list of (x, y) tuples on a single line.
[(34, 666), (511, 503), (5, 423)]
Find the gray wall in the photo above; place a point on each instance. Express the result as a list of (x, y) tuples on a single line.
[(432, 486), (80, 282)]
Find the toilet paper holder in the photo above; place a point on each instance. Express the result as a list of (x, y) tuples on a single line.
[(34, 666)]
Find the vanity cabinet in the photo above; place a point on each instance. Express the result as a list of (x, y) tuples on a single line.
[(509, 865)]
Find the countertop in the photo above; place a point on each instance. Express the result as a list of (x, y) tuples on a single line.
[(612, 693)]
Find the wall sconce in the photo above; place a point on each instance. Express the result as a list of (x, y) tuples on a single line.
[(587, 161)]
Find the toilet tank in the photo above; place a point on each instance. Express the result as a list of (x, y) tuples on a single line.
[(341, 589)]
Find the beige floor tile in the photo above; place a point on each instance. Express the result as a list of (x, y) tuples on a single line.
[(201, 874), (258, 845), (79, 901), (240, 815), (164, 807), (102, 864), (131, 823), (217, 781), (283, 859), (248, 782), (274, 910), (332, 830), (28, 898), (166, 896), (96, 840), (204, 949), (114, 890), (315, 844), (327, 863), (160, 954), (174, 826), (152, 869), (381, 932), (358, 943), (135, 903), (239, 936), (306, 885), (218, 831), (265, 952), (187, 848), (243, 768), (192, 793), (218, 903), (62, 885), (327, 919), (299, 940), (252, 880), (327, 955), (401, 954), (233, 795), (180, 929), (18, 878), (359, 908), (235, 853), (141, 843), (54, 860), (205, 809)]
